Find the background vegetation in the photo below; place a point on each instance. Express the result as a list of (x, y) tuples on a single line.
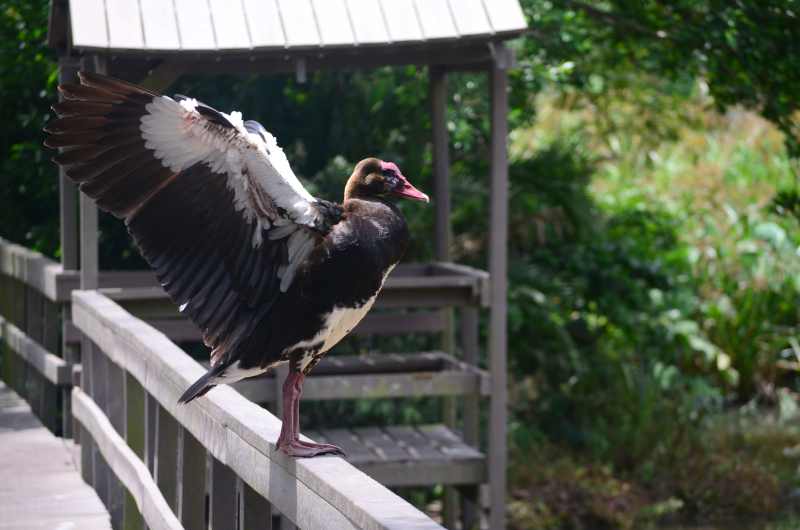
[(655, 246)]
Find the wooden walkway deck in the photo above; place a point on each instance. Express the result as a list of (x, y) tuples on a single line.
[(40, 486)]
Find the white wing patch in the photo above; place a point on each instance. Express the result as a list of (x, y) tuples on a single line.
[(265, 189), (180, 137)]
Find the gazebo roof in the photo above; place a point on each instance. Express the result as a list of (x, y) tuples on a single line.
[(267, 29)]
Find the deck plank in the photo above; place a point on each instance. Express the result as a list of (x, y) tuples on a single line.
[(40, 486)]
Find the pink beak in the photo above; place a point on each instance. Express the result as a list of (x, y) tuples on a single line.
[(408, 191)]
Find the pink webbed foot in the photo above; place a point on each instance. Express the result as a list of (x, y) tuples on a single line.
[(300, 449)]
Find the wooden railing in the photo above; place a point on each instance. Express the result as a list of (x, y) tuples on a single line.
[(132, 376), (30, 331)]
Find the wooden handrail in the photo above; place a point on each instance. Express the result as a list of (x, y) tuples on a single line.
[(52, 367), (319, 493), (124, 463)]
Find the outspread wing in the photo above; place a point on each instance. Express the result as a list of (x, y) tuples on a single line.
[(210, 201)]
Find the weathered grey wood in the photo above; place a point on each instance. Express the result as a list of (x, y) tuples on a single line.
[(370, 386), (28, 267), (159, 25), (194, 25), (150, 432), (116, 410), (39, 484), (368, 22), (505, 15), (68, 193), (436, 20), (264, 23), (124, 24), (53, 368), (134, 436), (51, 326), (166, 457), (404, 25), (222, 500), (470, 17), (124, 463), (191, 493), (441, 163), (230, 26), (409, 285), (87, 450), (297, 17), (254, 511), (334, 24), (88, 19), (498, 270), (89, 257), (327, 492), (430, 14), (99, 393), (469, 348)]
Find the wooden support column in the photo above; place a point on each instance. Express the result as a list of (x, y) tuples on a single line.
[(442, 240), (498, 270), (441, 162), (68, 205), (93, 361), (68, 192)]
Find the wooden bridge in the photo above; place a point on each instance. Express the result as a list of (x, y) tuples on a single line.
[(214, 462)]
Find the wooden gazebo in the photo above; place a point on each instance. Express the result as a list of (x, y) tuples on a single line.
[(153, 42)]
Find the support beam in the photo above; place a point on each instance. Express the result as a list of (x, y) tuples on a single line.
[(498, 270), (89, 226), (441, 162), (68, 193)]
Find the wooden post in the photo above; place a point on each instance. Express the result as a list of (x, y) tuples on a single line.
[(255, 512), (223, 496), (191, 494), (68, 192), (166, 464), (441, 162), (134, 435), (116, 412), (442, 239), (498, 270), (150, 418), (68, 204), (470, 502)]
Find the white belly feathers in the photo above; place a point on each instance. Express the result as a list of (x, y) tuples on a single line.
[(338, 323)]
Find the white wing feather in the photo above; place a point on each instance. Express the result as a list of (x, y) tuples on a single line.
[(181, 137)]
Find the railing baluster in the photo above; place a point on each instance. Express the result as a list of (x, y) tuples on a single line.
[(470, 506), (166, 464), (223, 496), (134, 435), (87, 449), (98, 386), (115, 410), (191, 488), (150, 412), (50, 330), (255, 512)]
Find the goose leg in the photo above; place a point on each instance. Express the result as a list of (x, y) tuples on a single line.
[(289, 440)]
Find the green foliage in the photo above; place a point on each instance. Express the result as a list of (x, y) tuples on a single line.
[(653, 281), (29, 191)]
